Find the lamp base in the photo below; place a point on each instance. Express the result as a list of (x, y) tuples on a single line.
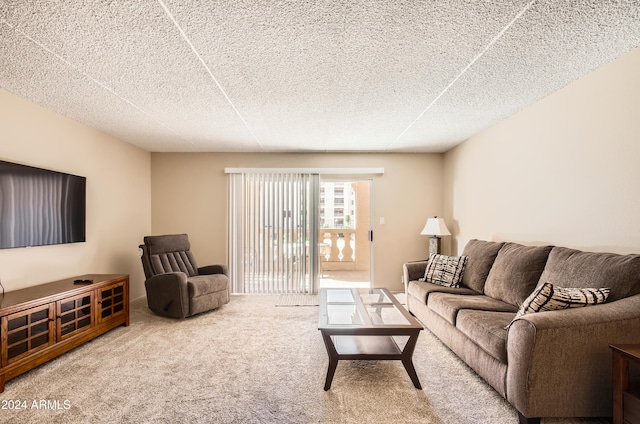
[(435, 245)]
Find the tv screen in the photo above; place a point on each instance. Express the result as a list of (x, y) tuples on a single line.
[(40, 207)]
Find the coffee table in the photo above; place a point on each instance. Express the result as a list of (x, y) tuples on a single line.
[(366, 324)]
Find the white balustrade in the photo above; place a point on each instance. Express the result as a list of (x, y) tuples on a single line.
[(337, 247)]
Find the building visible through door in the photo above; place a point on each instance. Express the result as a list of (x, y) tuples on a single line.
[(344, 239)]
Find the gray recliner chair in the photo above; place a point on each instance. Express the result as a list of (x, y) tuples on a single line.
[(176, 286)]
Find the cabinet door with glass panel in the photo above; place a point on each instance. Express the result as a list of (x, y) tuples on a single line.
[(112, 301), (27, 332), (74, 314)]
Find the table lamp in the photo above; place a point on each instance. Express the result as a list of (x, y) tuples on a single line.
[(436, 228)]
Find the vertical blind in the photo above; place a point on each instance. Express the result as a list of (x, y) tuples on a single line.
[(273, 231)]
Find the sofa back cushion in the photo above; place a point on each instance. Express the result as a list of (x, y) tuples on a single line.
[(516, 272), (480, 257), (574, 268)]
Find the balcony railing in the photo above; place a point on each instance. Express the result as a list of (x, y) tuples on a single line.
[(337, 248)]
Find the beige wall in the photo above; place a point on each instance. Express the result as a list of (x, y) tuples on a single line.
[(118, 196), (564, 171), (189, 194)]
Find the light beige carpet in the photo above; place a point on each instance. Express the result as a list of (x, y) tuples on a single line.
[(248, 362)]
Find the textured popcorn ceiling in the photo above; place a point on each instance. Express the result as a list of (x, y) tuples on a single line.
[(286, 75)]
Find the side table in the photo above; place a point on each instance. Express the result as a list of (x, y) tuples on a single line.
[(626, 400)]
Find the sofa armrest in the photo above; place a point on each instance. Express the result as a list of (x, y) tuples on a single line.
[(213, 269), (551, 354), (412, 271), (168, 295)]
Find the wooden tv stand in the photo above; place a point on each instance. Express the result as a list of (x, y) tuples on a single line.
[(42, 322)]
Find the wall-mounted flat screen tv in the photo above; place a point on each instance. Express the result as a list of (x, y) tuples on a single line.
[(40, 207)]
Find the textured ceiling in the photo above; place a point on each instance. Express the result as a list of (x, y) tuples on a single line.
[(286, 75)]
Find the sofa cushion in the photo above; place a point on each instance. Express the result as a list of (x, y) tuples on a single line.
[(487, 330), (481, 255), (515, 272), (548, 297), (448, 305), (574, 268), (421, 290), (445, 270)]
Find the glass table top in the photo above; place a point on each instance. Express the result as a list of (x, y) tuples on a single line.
[(373, 307)]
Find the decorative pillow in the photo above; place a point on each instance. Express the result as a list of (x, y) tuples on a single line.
[(445, 270), (548, 297)]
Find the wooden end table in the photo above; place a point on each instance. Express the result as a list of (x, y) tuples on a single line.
[(364, 324), (626, 400)]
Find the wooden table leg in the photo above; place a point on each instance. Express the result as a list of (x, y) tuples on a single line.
[(407, 360), (620, 383), (333, 360)]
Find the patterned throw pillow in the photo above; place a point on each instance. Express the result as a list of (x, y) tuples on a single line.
[(445, 270), (548, 297)]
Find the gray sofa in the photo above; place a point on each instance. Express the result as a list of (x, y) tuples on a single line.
[(545, 364)]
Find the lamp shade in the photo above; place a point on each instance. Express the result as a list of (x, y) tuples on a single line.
[(435, 227)]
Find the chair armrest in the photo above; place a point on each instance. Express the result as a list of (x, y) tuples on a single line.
[(213, 269), (168, 295), (560, 361)]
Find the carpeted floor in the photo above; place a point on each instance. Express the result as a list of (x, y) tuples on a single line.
[(249, 362)]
